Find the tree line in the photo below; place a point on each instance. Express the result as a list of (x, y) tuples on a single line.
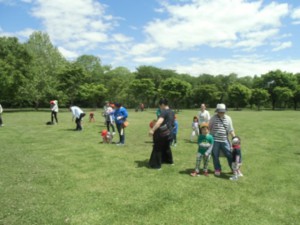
[(34, 72)]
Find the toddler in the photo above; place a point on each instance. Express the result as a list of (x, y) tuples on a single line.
[(195, 128), (236, 158), (205, 142)]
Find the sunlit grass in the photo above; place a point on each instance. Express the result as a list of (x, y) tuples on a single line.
[(54, 175)]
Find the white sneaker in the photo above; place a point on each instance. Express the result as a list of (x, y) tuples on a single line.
[(235, 177)]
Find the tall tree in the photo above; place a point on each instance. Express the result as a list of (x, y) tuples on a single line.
[(46, 64), (239, 95), (14, 70), (92, 66), (175, 90), (143, 90), (259, 96), (275, 79)]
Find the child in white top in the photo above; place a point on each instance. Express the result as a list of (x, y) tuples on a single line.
[(195, 128)]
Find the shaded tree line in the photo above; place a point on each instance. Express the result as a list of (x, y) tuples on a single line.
[(34, 72)]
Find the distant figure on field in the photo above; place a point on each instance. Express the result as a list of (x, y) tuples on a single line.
[(78, 114), (54, 111), (1, 111)]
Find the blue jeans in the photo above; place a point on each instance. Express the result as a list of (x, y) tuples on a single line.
[(225, 148)]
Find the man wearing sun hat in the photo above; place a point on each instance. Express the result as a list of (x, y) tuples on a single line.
[(220, 125)]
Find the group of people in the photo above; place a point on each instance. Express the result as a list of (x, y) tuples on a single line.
[(212, 138), (113, 114)]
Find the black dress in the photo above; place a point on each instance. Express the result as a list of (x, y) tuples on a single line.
[(161, 152)]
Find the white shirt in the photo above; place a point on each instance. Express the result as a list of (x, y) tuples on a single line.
[(76, 111), (203, 117), (1, 109)]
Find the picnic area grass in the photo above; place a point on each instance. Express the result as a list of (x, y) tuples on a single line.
[(54, 175)]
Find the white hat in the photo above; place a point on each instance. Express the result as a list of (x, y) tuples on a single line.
[(221, 108)]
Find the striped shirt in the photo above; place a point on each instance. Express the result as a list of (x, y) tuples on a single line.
[(220, 127)]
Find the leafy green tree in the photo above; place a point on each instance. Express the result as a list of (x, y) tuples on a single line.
[(296, 96), (46, 64), (275, 79), (71, 78), (283, 95), (239, 95), (259, 97), (143, 90), (14, 70), (94, 94), (208, 94), (223, 83), (175, 90), (92, 66)]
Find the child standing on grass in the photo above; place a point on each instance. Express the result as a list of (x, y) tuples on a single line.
[(195, 128), (236, 158), (175, 131), (205, 142)]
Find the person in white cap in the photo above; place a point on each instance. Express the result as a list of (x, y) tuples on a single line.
[(220, 126)]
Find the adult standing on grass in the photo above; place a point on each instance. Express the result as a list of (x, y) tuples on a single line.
[(54, 111), (220, 126), (78, 114), (203, 115), (1, 111), (121, 115), (162, 136)]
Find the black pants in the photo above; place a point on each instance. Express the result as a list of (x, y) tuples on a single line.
[(108, 125), (54, 116), (78, 121), (161, 152), (1, 120)]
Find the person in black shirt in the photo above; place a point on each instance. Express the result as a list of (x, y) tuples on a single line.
[(162, 137)]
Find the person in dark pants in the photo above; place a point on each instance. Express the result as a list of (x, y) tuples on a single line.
[(78, 114), (120, 115), (162, 137), (54, 111), (1, 110)]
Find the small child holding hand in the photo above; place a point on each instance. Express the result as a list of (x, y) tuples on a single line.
[(236, 158)]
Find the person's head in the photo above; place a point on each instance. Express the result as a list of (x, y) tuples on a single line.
[(107, 103), (203, 107), (118, 105), (204, 128), (195, 119), (163, 103), (221, 109)]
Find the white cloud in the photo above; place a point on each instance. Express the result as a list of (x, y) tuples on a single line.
[(221, 23), (281, 46), (243, 66), (68, 54), (149, 60), (74, 23), (296, 16)]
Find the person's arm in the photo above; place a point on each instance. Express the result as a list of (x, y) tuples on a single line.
[(156, 126), (230, 128)]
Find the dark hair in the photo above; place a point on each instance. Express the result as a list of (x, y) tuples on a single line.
[(163, 101), (117, 104)]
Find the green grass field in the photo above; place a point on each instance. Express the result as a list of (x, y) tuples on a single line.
[(54, 175)]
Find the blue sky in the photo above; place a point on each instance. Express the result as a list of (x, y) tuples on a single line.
[(246, 37)]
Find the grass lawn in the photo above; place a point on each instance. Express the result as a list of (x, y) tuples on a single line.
[(54, 175)]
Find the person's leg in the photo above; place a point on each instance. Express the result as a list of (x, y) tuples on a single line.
[(77, 121), (52, 117), (225, 147), (112, 127), (156, 154), (206, 161), (55, 117), (167, 156), (119, 128), (1, 120), (107, 125), (216, 153), (122, 134)]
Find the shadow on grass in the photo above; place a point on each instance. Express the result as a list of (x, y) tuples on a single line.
[(210, 173), (297, 153), (189, 141), (144, 163), (148, 142)]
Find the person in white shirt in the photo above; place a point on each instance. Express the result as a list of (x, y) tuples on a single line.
[(203, 115), (78, 114), (1, 111), (54, 110)]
